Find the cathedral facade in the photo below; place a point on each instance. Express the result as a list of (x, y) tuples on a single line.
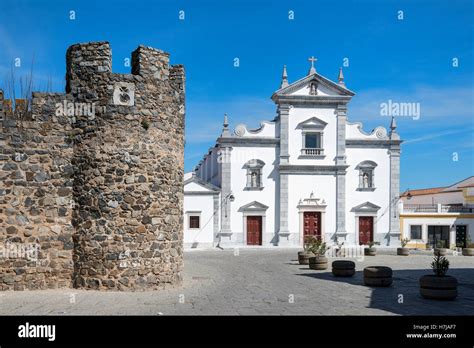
[(309, 171)]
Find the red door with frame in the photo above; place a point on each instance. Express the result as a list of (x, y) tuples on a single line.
[(366, 229), (254, 230), (312, 224)]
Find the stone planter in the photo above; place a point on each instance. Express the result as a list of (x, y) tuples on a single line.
[(468, 251), (318, 263), (438, 288), (370, 251), (343, 268), (440, 251), (403, 251), (378, 276), (303, 257)]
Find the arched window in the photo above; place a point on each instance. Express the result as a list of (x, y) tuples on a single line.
[(366, 175), (254, 174)]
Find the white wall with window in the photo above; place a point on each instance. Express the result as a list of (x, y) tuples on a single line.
[(246, 160), (199, 218), (424, 232), (312, 136)]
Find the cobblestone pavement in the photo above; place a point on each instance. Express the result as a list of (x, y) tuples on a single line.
[(257, 282)]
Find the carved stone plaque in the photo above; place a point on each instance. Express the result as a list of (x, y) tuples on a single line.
[(124, 94)]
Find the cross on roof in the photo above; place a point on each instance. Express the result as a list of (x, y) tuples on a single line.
[(312, 70)]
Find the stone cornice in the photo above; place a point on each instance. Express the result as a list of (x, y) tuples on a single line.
[(384, 143), (312, 169), (248, 141), (306, 100)]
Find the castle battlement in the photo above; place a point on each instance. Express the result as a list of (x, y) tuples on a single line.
[(91, 184)]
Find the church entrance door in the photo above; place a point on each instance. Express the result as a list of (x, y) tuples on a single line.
[(366, 229), (254, 230), (312, 224)]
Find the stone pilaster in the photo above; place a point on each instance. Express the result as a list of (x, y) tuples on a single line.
[(283, 232), (216, 201), (394, 232), (226, 190), (341, 233)]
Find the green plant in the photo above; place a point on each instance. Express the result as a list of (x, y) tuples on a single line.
[(317, 246), (440, 265), (372, 243), (440, 244), (145, 124), (404, 242), (469, 243), (307, 243)]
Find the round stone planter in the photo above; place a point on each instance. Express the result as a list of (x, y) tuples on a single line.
[(318, 263), (370, 251), (440, 251), (303, 257), (468, 251), (403, 251), (438, 288), (343, 268), (379, 276)]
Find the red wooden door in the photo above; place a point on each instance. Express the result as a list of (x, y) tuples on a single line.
[(366, 229), (254, 230), (312, 223)]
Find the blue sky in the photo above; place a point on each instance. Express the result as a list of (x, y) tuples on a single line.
[(407, 60)]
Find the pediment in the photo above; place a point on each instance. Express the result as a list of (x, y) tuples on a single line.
[(314, 85), (312, 123), (366, 207), (253, 206)]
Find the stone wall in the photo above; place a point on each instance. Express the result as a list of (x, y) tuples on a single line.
[(98, 187)]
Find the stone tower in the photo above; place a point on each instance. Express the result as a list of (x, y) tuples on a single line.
[(123, 139)]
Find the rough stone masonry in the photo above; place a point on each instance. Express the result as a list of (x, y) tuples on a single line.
[(91, 187)]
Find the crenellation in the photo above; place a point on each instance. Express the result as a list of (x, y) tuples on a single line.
[(95, 180)]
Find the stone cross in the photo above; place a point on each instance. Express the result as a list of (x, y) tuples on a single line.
[(312, 70)]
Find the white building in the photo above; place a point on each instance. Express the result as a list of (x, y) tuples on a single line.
[(439, 214), (309, 171)]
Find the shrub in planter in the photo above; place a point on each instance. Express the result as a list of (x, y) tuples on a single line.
[(343, 268), (469, 249), (440, 249), (319, 249), (303, 256), (403, 251), (371, 250), (378, 276), (439, 286)]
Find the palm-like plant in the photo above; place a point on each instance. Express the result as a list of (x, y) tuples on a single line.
[(440, 265)]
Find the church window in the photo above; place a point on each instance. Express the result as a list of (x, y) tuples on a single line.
[(312, 143), (194, 220)]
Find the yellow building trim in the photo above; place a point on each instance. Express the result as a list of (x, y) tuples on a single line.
[(442, 216)]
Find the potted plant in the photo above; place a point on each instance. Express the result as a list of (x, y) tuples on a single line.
[(303, 256), (439, 286), (371, 250), (403, 251), (469, 249), (319, 261), (440, 249)]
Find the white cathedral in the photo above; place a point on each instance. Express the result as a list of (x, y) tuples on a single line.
[(309, 171)]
